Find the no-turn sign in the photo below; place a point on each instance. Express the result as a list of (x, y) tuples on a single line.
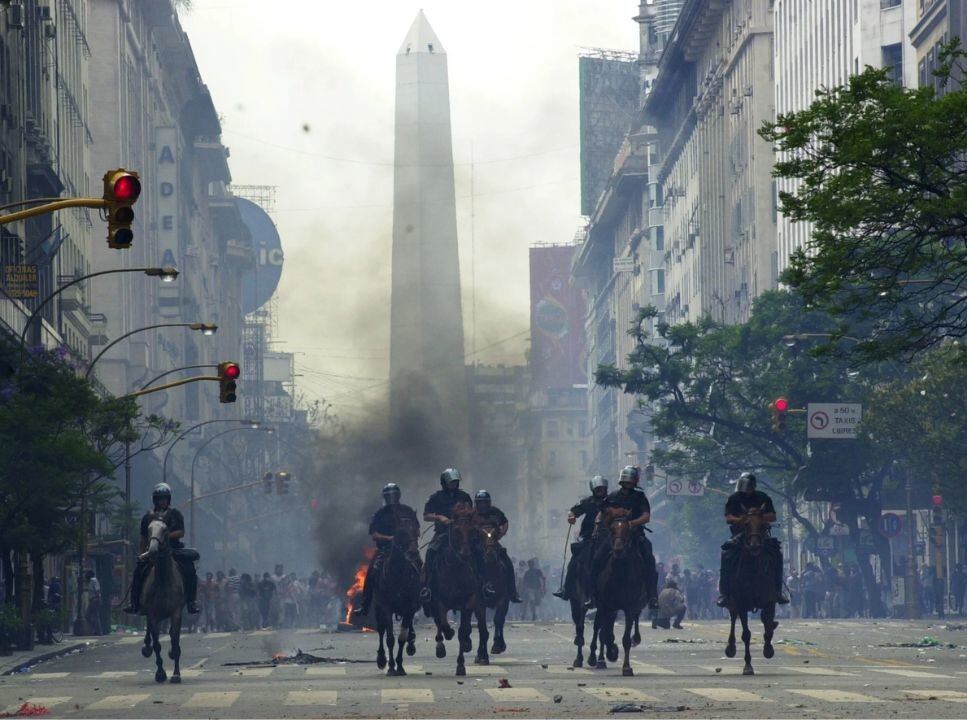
[(677, 486)]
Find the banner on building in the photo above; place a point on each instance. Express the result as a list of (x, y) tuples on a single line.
[(166, 188), (21, 281), (558, 349)]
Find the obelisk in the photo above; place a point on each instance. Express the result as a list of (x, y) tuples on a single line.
[(427, 366)]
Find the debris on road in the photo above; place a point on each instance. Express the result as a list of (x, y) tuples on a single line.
[(792, 641), (300, 658), (924, 642), (503, 683), (27, 710), (690, 641), (558, 698), (636, 708)]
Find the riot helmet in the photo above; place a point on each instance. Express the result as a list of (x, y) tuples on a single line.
[(598, 485), (746, 483), (629, 475), (450, 476), (161, 491), (482, 499), (391, 494)]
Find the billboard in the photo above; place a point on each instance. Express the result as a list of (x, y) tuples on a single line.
[(260, 282), (558, 348)]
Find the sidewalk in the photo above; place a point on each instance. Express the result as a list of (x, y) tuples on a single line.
[(41, 653)]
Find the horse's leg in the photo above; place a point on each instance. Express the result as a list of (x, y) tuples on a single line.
[(160, 675), (768, 616), (746, 639), (390, 642), (630, 621), (577, 617), (730, 646), (411, 634), (174, 635), (146, 649), (406, 620), (483, 637), (602, 620), (593, 657), (463, 641), (636, 638), (612, 653), (439, 617), (381, 630), (500, 616)]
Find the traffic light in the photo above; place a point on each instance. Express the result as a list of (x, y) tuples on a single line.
[(282, 483), (649, 474), (121, 190), (778, 409), (228, 373), (267, 483)]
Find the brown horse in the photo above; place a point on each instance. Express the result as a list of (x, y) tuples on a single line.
[(456, 585), (620, 585), (753, 586), (494, 565), (162, 597), (397, 592)]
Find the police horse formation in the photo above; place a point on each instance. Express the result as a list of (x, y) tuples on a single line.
[(466, 573)]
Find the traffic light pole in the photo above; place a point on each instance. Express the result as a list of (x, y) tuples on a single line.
[(223, 491), (168, 386), (95, 203)]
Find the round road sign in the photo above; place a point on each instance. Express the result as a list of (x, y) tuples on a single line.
[(890, 525), (819, 420)]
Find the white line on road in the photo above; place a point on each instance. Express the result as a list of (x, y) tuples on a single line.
[(254, 672), (212, 700), (913, 674), (516, 695), (651, 669), (311, 697), (948, 695), (325, 671), (406, 695), (567, 670), (485, 670), (132, 640), (837, 696), (117, 702), (48, 676), (810, 670), (727, 695), (115, 674)]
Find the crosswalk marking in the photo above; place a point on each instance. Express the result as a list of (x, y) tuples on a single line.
[(212, 700), (567, 670), (311, 697), (650, 669), (727, 695), (255, 671), (116, 674), (261, 633), (913, 673), (216, 635), (131, 640), (118, 702), (619, 693), (485, 670), (811, 670), (48, 676), (948, 695), (325, 671), (306, 631), (514, 694), (48, 702), (837, 696), (402, 696)]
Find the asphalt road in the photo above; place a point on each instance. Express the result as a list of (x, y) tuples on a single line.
[(830, 668)]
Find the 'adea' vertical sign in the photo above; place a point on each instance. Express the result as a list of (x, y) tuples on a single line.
[(166, 167)]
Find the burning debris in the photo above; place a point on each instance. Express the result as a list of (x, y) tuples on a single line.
[(352, 623)]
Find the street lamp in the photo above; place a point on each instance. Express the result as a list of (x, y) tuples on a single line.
[(166, 273), (205, 328), (250, 424), (191, 514)]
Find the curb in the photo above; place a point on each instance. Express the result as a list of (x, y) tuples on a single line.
[(37, 659)]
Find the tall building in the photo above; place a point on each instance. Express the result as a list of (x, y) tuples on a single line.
[(937, 22), (427, 373), (714, 89), (820, 44)]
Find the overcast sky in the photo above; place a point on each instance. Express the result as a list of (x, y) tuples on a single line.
[(305, 89)]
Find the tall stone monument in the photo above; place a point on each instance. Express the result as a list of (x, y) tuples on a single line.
[(427, 371)]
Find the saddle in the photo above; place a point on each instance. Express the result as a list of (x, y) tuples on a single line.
[(186, 554)]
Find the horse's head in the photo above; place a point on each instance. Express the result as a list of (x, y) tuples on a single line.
[(754, 529), (407, 535), (462, 528), (157, 536), (490, 536), (619, 531)]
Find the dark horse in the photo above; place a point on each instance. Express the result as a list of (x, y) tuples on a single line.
[(162, 597), (579, 594), (753, 586), (496, 570), (456, 585), (397, 592), (620, 586)]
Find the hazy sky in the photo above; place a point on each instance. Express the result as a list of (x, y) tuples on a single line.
[(306, 88)]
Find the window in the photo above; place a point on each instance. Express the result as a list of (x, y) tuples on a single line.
[(552, 429), (892, 58), (659, 238), (887, 4)]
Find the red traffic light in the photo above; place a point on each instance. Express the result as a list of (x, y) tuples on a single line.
[(127, 188), (232, 371), (782, 405), (937, 500)]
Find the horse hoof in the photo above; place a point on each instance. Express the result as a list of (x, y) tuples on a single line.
[(160, 676), (627, 672), (391, 672), (400, 672), (636, 640), (448, 632), (441, 650), (145, 651), (768, 651), (612, 653), (499, 647), (747, 670), (411, 649), (175, 680), (601, 665), (730, 651), (461, 671), (578, 663), (380, 661), (466, 645), (481, 661)]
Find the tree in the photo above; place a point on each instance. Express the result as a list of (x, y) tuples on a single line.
[(878, 170), (708, 387)]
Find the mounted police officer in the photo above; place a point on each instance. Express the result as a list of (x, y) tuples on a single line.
[(382, 529), (588, 508), (746, 498), (175, 521), (631, 498), (439, 511), (490, 514)]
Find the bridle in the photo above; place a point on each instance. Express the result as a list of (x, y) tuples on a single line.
[(754, 530)]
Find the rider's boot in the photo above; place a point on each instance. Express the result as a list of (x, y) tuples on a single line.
[(512, 583), (782, 599), (723, 601), (191, 588), (134, 606), (562, 593)]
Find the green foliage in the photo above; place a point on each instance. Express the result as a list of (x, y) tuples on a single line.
[(10, 619), (877, 169)]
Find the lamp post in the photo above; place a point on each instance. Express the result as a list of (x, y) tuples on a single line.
[(911, 605), (167, 274), (251, 424), (205, 329), (191, 515)]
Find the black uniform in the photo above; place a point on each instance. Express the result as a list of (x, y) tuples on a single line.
[(495, 517), (588, 510), (636, 502), (442, 502), (186, 563), (738, 504), (385, 521)]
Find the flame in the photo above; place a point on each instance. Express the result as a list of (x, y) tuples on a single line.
[(278, 657), (359, 579)]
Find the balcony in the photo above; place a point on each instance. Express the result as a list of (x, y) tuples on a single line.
[(656, 216)]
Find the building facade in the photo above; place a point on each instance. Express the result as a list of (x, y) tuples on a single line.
[(937, 22)]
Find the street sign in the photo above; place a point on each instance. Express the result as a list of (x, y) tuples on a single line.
[(21, 281), (833, 421), (689, 488), (623, 264), (890, 525)]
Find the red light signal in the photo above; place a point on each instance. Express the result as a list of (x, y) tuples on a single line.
[(782, 405), (228, 373), (778, 409), (121, 190), (937, 500), (127, 188)]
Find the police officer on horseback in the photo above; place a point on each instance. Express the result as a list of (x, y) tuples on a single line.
[(439, 511), (588, 508), (175, 521), (382, 529), (490, 514), (746, 498), (631, 498)]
